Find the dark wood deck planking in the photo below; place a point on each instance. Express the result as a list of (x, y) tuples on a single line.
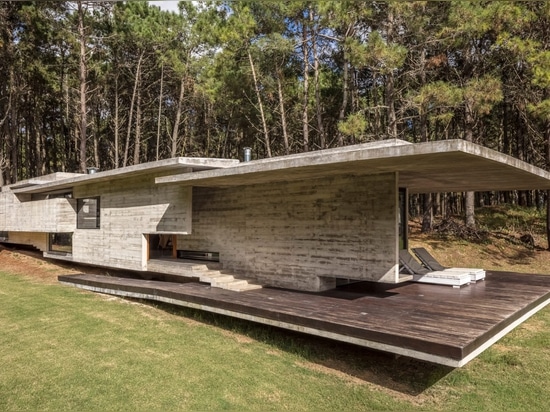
[(445, 324)]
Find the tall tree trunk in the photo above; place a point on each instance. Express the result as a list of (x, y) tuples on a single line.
[(96, 135), (117, 123), (390, 103), (131, 111), (2, 167), (318, 104), (66, 122), (305, 103), (159, 112), (39, 154), (177, 121), (469, 200), (6, 136), (547, 139), (345, 82), (390, 80), (14, 136), (207, 123), (260, 105), (4, 130), (83, 87), (227, 135), (548, 218), (469, 197), (282, 109), (137, 138), (26, 148), (3, 148), (345, 93), (427, 216)]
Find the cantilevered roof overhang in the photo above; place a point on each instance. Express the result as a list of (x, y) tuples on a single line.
[(174, 165), (440, 166)]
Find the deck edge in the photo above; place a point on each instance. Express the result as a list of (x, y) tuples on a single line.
[(503, 332), (441, 360)]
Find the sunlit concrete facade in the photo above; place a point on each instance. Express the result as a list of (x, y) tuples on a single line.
[(303, 222)]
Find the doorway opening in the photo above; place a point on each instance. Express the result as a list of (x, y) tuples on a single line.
[(162, 246)]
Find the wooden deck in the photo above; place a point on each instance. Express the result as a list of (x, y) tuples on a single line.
[(434, 323)]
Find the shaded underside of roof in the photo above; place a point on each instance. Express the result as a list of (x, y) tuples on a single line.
[(442, 166), (174, 165)]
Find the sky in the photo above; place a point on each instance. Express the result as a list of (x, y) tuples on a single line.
[(168, 5)]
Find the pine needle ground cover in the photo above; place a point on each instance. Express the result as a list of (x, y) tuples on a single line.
[(66, 349)]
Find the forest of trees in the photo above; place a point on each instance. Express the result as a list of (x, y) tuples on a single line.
[(111, 84)]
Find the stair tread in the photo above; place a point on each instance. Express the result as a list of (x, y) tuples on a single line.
[(223, 279), (245, 287), (206, 273)]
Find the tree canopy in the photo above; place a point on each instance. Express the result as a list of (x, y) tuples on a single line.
[(110, 84)]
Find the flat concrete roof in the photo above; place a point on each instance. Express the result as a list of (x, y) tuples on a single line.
[(176, 165), (440, 166)]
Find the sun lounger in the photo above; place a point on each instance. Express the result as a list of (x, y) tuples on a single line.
[(431, 263), (422, 274)]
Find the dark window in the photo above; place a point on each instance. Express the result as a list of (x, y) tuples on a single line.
[(4, 235), (88, 213), (52, 195), (60, 195), (61, 242)]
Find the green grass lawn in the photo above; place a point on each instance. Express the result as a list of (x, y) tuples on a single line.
[(65, 349)]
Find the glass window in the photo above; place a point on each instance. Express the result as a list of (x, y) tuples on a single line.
[(61, 242), (88, 213), (53, 195)]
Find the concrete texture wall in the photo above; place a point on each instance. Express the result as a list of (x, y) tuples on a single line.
[(130, 208), (49, 215), (301, 235)]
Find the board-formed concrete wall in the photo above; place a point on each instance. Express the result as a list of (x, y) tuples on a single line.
[(130, 208), (48, 215), (303, 234)]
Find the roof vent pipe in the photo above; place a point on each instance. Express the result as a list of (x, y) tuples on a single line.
[(92, 170), (247, 154)]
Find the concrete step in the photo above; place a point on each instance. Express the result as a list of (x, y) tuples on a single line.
[(181, 268), (222, 281), (226, 281), (233, 285), (236, 285), (207, 273), (215, 276), (242, 288), (198, 268)]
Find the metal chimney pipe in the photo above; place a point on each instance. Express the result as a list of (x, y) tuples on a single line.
[(92, 170), (247, 154)]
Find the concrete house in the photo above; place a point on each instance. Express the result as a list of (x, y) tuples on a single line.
[(303, 222)]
